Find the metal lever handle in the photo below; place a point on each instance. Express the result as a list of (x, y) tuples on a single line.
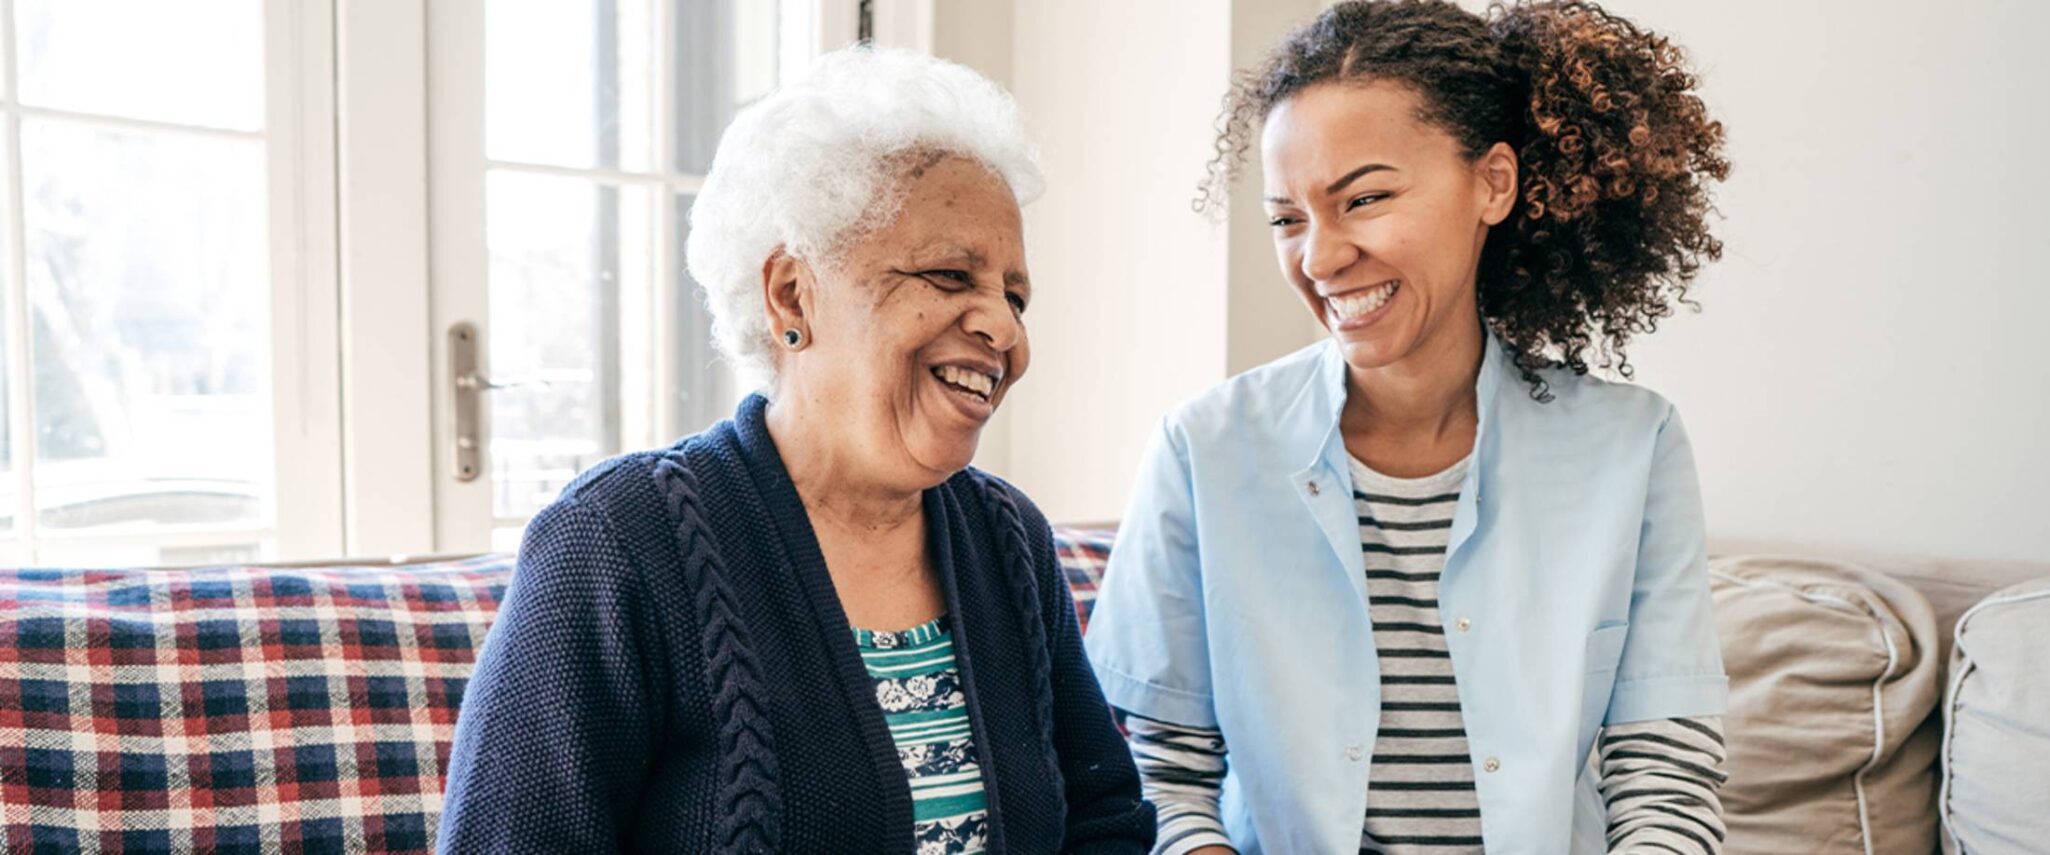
[(475, 380), (470, 384)]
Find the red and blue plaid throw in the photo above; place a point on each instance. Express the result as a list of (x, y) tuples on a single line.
[(234, 709), (1083, 553), (255, 709)]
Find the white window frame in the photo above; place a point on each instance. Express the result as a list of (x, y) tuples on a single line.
[(381, 134)]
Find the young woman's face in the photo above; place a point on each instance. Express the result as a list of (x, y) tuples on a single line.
[(1379, 216)]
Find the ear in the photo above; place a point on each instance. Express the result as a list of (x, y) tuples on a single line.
[(785, 295), (1496, 169)]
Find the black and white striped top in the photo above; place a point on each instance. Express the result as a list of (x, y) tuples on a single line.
[(1420, 792), (1659, 778)]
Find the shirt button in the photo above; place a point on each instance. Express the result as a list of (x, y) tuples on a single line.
[(1464, 624), (1313, 488), (1355, 752), (1491, 764)]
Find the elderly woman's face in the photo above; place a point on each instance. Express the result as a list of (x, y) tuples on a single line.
[(917, 328)]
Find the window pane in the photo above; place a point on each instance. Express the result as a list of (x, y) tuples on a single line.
[(569, 82), (696, 403), (726, 56), (193, 61), (562, 251), (146, 275)]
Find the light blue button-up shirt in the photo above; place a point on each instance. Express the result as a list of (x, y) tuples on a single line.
[(1575, 592)]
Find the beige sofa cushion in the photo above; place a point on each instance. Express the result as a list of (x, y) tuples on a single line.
[(1833, 676), (1951, 585), (1996, 748)]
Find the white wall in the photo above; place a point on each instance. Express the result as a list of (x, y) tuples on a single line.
[(1139, 301), (1868, 367), (1128, 314), (1865, 372), (1267, 319)]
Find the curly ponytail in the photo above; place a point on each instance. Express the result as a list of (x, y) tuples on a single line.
[(1615, 151)]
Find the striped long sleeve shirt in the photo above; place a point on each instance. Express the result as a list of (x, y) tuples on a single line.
[(1658, 778)]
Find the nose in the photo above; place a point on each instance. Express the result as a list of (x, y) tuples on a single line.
[(1326, 253), (993, 321)]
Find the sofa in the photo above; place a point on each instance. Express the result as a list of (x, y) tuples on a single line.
[(1879, 704)]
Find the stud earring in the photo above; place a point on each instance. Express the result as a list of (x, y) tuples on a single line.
[(793, 339)]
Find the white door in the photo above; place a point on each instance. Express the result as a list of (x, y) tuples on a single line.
[(167, 254), (566, 139)]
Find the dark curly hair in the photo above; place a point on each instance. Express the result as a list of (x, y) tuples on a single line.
[(1615, 154)]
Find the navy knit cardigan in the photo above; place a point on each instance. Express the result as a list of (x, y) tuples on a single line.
[(671, 671)]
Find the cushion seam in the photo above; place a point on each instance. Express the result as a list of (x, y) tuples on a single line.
[(1878, 704)]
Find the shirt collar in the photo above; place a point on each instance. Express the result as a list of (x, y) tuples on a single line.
[(1312, 419)]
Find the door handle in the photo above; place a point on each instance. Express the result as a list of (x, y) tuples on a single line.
[(476, 381), (470, 385)]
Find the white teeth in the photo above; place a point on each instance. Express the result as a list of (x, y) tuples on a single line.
[(1345, 307), (973, 381)]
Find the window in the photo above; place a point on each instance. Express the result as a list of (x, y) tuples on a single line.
[(599, 120), (142, 232), (215, 242), (589, 183)]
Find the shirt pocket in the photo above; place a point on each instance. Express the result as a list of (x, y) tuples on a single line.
[(1604, 653)]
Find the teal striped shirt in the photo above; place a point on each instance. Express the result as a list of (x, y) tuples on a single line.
[(919, 689)]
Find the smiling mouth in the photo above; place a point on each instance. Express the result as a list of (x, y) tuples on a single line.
[(1354, 304), (967, 381)]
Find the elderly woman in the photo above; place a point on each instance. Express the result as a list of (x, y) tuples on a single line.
[(1385, 593), (811, 628)]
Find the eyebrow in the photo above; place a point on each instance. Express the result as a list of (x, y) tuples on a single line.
[(953, 254), (949, 253), (1354, 175), (1343, 180)]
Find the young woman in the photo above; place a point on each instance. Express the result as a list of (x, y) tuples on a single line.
[(1387, 592)]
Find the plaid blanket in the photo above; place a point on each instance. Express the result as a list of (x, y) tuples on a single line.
[(254, 709), (1083, 553), (234, 709)]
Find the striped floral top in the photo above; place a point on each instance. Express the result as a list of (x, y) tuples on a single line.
[(919, 689)]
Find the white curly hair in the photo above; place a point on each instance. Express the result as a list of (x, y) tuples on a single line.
[(818, 162)]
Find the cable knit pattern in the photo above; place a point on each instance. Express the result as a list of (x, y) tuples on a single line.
[(749, 806), (1018, 561), (671, 671)]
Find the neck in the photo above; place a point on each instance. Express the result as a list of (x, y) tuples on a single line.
[(835, 480), (1428, 393)]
